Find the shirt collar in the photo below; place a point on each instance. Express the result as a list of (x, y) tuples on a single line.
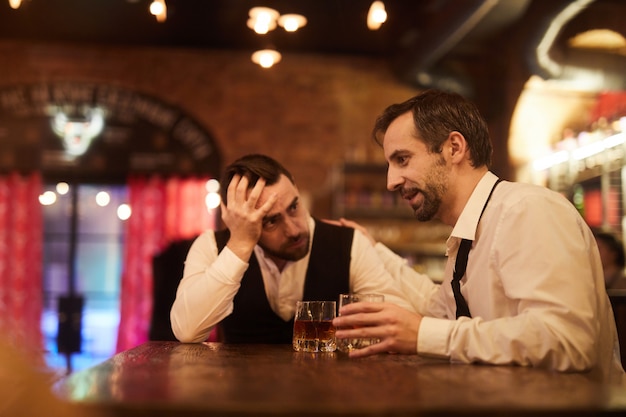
[(466, 225)]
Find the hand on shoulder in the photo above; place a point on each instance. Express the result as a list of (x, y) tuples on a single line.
[(351, 223)]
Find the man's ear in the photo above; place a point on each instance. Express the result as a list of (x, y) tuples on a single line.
[(457, 147)]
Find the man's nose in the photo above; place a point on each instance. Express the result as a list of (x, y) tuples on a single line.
[(292, 227), (394, 180)]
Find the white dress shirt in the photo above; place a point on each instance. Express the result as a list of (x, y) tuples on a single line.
[(534, 286), (211, 281)]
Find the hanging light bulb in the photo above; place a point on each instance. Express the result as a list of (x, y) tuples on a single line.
[(212, 201), (291, 22), (376, 15), (262, 19), (63, 188), (47, 198), (15, 4), (124, 211), (159, 9), (266, 57), (103, 199), (212, 185)]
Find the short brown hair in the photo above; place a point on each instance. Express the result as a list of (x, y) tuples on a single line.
[(436, 114), (253, 167)]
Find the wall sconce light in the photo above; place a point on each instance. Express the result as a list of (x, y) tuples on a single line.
[(291, 22), (159, 9), (15, 4), (376, 15), (262, 19), (266, 57)]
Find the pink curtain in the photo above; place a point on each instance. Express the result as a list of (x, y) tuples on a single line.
[(163, 210), (20, 262)]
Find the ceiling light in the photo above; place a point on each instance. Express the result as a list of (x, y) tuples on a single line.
[(266, 57), (123, 212), (212, 201), (47, 198), (63, 188), (159, 9), (291, 22), (599, 39), (103, 199), (376, 15), (212, 185), (262, 19)]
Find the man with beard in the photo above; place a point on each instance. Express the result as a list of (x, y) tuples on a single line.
[(531, 292), (248, 277)]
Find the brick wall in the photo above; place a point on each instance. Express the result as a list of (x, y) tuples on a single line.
[(310, 112)]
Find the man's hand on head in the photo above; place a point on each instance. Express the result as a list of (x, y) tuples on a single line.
[(243, 215)]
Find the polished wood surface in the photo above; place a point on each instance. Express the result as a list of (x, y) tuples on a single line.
[(213, 379)]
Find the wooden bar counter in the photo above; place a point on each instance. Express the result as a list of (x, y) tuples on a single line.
[(213, 379)]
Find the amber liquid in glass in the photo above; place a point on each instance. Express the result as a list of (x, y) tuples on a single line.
[(314, 336)]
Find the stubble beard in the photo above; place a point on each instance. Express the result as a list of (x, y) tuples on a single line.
[(435, 187), (287, 254)]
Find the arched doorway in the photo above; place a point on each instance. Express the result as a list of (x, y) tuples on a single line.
[(95, 138)]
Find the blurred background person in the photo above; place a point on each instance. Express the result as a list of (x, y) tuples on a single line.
[(612, 256)]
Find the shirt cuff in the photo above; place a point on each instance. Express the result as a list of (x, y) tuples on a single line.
[(433, 337)]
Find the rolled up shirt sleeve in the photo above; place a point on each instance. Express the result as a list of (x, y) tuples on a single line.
[(206, 291)]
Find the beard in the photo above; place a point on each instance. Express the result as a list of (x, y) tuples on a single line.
[(288, 253), (434, 189)]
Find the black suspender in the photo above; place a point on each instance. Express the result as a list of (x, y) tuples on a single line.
[(461, 264)]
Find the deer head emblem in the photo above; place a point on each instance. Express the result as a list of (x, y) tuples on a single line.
[(77, 134)]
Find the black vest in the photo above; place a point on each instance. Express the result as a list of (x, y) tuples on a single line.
[(328, 275)]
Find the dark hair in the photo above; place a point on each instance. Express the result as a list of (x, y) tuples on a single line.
[(254, 166), (614, 245), (436, 114)]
